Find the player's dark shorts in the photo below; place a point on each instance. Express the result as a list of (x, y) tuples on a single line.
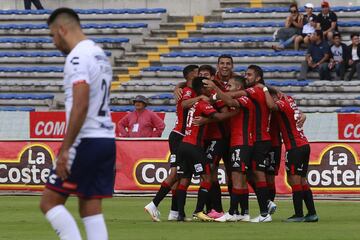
[(259, 155), (214, 150), (273, 161), (240, 158), (174, 142), (297, 160), (191, 160), (92, 171)]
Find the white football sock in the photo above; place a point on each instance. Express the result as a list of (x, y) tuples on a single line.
[(95, 227), (63, 223)]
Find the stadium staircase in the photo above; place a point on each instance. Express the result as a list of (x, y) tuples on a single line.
[(150, 48)]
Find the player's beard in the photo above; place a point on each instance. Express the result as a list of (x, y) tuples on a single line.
[(63, 47)]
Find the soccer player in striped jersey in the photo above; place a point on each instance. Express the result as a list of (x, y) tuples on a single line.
[(297, 155), (187, 99)]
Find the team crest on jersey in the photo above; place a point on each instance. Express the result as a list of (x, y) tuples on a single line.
[(198, 168)]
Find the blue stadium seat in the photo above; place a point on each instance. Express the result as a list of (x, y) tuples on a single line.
[(348, 109), (243, 24), (31, 69), (288, 83), (163, 96), (88, 25), (122, 108), (29, 96), (286, 9), (130, 108), (163, 68), (37, 54), (226, 39), (257, 53), (21, 109), (48, 40)]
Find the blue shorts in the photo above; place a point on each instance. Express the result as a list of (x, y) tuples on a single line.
[(92, 171)]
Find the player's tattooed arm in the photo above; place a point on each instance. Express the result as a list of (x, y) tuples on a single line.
[(178, 90), (269, 100)]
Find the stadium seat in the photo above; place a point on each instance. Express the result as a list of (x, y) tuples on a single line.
[(226, 39), (88, 11), (36, 54), (48, 40), (19, 96), (245, 53), (286, 9), (348, 109), (14, 109), (31, 69)]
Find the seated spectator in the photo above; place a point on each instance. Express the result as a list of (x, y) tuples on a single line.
[(37, 4), (309, 26), (353, 56), (293, 26), (141, 122), (317, 57), (338, 56), (327, 21)]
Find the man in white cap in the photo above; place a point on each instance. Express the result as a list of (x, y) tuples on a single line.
[(309, 26)]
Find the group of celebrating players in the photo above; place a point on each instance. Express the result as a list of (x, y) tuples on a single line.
[(221, 115)]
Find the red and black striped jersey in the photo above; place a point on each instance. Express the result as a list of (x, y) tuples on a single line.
[(195, 134), (242, 124), (275, 131), (262, 114), (181, 113), (287, 117)]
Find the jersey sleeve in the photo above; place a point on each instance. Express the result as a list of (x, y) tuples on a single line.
[(207, 109), (281, 105), (188, 93), (78, 69), (253, 92), (244, 101)]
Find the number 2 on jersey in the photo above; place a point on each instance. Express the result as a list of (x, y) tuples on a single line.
[(105, 90)]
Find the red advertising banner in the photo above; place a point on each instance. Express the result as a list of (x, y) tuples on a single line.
[(48, 125), (141, 165), (349, 126)]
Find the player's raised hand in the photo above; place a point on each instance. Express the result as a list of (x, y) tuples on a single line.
[(62, 164), (178, 94)]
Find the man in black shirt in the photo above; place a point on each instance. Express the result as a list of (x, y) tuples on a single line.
[(317, 57), (327, 21)]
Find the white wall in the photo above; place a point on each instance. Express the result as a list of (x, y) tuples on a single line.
[(174, 7)]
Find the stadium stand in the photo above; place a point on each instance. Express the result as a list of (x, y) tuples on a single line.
[(150, 48)]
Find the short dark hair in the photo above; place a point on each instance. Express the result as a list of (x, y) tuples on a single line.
[(208, 68), (258, 72), (319, 33), (337, 34), (228, 56), (188, 69), (354, 35), (197, 84), (68, 11), (293, 5), (240, 79)]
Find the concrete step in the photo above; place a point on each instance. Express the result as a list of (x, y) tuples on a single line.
[(173, 33), (187, 19), (265, 3)]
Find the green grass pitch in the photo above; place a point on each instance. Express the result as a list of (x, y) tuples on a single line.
[(126, 219)]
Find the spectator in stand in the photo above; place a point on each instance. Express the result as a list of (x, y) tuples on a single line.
[(353, 56), (309, 26), (327, 21), (338, 56), (293, 26), (317, 57), (37, 4), (141, 122)]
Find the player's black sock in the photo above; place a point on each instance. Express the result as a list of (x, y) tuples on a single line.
[(308, 199), (174, 206), (297, 195), (262, 194), (163, 191), (244, 201), (181, 198), (234, 200), (216, 197), (272, 191), (203, 196)]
